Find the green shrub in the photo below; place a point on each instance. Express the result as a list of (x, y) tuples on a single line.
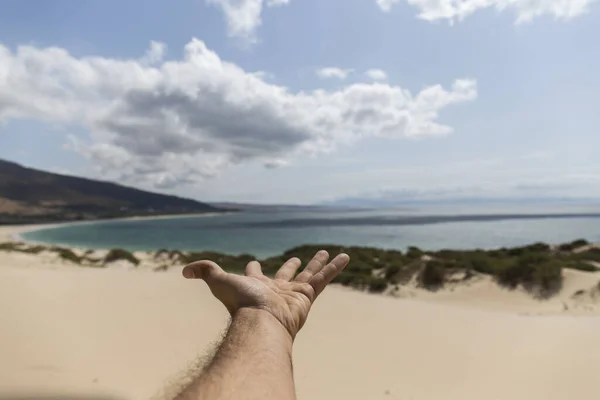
[(580, 243), (356, 281), (532, 248), (377, 285), (173, 255), (414, 253), (483, 264), (547, 280), (161, 252), (120, 254), (448, 254), (34, 249), (511, 276), (360, 269), (245, 258), (9, 246), (589, 255), (66, 254), (392, 271), (272, 264), (581, 266), (498, 254), (520, 270), (573, 245), (537, 273), (433, 275), (538, 247)]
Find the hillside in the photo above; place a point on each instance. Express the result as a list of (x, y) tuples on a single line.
[(30, 195)]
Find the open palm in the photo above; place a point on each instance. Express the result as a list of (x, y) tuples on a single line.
[(287, 298)]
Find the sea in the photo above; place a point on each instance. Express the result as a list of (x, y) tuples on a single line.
[(267, 233)]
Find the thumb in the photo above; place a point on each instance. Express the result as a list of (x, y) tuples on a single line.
[(205, 269)]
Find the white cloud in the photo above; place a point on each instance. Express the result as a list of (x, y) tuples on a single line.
[(244, 16), (180, 121), (386, 5), (526, 10), (333, 72), (376, 74), (155, 53)]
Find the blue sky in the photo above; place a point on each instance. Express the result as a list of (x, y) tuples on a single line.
[(523, 123)]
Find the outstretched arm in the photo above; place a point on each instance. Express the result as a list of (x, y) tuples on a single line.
[(254, 362)]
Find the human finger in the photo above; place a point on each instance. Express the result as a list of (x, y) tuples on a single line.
[(254, 269), (322, 278), (288, 269), (205, 269), (315, 265)]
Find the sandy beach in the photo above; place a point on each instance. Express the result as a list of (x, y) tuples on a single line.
[(127, 333)]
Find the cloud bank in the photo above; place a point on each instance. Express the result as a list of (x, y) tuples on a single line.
[(525, 10), (166, 123), (244, 17)]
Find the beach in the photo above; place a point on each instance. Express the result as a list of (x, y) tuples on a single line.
[(125, 333)]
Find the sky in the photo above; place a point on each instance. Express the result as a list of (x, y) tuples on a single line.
[(307, 101)]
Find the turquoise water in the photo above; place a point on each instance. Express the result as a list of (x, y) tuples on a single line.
[(268, 233)]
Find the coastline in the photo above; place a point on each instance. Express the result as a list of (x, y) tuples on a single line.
[(13, 232)]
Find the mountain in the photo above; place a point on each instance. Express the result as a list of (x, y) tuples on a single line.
[(30, 195)]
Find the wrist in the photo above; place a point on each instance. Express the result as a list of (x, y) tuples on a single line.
[(263, 322)]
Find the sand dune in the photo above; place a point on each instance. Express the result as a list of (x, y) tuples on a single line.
[(580, 296), (119, 334)]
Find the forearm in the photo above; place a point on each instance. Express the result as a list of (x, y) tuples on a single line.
[(254, 362)]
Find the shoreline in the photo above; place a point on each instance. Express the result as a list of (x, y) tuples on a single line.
[(15, 231)]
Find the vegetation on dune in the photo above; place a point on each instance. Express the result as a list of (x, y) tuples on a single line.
[(588, 255), (536, 272), (62, 252), (120, 254), (536, 268), (581, 266), (573, 245), (66, 254), (433, 274), (34, 249), (10, 246)]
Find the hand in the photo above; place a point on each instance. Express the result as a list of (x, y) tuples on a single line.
[(287, 299)]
